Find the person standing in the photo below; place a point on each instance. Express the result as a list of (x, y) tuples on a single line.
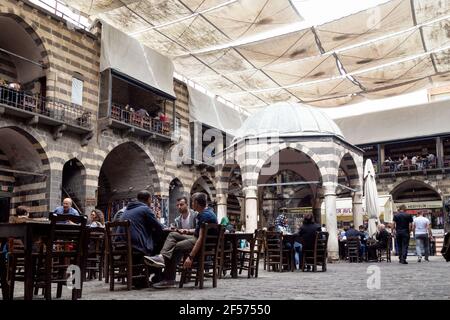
[(422, 234), (402, 230)]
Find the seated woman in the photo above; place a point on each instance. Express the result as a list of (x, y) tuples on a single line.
[(281, 225), (20, 216), (227, 225), (96, 219)]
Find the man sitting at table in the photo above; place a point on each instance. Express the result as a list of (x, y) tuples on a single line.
[(178, 244), (382, 237), (307, 233), (66, 208), (186, 221)]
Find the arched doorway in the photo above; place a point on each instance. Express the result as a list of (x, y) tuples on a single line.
[(205, 185), (126, 170), (24, 57), (73, 183), (418, 196), (176, 190), (24, 173), (294, 187), (235, 199)]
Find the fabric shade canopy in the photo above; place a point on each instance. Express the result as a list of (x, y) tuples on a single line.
[(396, 47), (125, 54)]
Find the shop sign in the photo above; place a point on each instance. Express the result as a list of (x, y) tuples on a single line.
[(302, 210), (422, 205), (437, 232)]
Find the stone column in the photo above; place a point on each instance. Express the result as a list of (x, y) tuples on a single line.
[(330, 209), (221, 206), (251, 208), (317, 210), (357, 209), (439, 153)]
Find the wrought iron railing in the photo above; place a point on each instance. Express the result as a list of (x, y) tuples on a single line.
[(143, 121), (35, 103)]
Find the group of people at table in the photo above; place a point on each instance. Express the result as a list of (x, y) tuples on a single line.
[(163, 247)]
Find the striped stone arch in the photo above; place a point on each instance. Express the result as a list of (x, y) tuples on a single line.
[(351, 169), (81, 194), (206, 183), (432, 185), (147, 157), (223, 177), (38, 145), (252, 176), (30, 27)]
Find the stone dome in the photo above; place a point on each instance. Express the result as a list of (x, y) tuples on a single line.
[(288, 120)]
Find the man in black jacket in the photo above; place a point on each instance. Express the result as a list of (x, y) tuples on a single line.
[(307, 233), (402, 230), (145, 230)]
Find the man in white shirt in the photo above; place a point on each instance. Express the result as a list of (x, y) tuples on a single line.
[(422, 234), (185, 222)]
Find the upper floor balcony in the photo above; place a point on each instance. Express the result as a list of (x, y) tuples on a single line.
[(34, 108), (410, 157), (140, 122), (135, 108)]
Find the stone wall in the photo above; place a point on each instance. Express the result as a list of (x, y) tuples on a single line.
[(68, 53)]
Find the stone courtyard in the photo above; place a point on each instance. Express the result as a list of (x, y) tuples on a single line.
[(342, 281)]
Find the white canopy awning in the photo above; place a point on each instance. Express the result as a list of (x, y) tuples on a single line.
[(210, 111), (256, 52), (130, 57), (396, 124)]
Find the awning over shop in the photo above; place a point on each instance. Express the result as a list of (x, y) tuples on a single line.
[(130, 57), (344, 210), (208, 110)]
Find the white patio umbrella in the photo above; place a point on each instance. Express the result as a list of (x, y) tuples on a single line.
[(371, 196)]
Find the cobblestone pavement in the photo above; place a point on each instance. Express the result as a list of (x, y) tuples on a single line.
[(342, 280)]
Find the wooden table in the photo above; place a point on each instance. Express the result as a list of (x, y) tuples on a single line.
[(28, 232), (234, 238)]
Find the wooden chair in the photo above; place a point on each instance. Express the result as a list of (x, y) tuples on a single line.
[(385, 251), (249, 257), (16, 263), (225, 256), (206, 261), (276, 256), (65, 246), (123, 264), (317, 256), (353, 249), (96, 253)]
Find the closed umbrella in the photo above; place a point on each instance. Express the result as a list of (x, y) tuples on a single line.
[(371, 196)]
